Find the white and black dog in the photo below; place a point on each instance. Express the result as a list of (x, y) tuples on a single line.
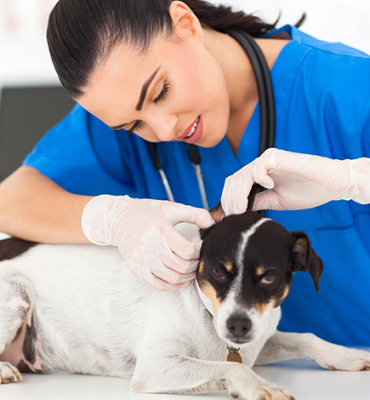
[(77, 308)]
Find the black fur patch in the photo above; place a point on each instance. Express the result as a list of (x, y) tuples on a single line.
[(29, 349), (23, 367), (14, 247)]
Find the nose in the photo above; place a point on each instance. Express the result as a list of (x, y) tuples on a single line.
[(239, 325), (164, 127)]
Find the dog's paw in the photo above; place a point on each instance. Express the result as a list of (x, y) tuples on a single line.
[(260, 391), (270, 391), (344, 359), (8, 373)]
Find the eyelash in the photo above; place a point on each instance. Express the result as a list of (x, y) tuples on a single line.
[(138, 124), (163, 94)]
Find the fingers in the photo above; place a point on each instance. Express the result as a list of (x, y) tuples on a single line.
[(268, 200), (148, 268), (160, 255), (260, 175), (180, 246), (176, 214), (237, 187), (234, 198), (159, 284), (170, 276), (178, 264), (235, 194), (164, 259)]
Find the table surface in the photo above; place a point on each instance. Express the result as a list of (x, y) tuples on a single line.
[(304, 379)]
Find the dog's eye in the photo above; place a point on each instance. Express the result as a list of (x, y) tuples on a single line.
[(267, 280), (268, 277), (218, 273)]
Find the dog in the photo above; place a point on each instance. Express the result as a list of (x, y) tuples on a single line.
[(78, 309)]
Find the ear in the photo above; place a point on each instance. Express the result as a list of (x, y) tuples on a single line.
[(304, 257), (256, 188), (184, 20), (217, 212)]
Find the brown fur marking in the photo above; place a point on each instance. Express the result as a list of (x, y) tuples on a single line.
[(210, 292), (262, 308), (229, 266), (201, 266), (285, 294)]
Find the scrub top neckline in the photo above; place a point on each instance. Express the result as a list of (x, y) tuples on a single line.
[(253, 125)]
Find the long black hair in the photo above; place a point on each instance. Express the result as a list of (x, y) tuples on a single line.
[(82, 33)]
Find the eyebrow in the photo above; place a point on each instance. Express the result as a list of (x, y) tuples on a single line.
[(143, 93)]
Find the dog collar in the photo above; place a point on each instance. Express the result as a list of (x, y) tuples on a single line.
[(233, 355)]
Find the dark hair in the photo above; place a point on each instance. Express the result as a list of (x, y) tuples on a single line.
[(82, 33)]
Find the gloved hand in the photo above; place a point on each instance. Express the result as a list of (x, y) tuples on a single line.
[(143, 231), (296, 181)]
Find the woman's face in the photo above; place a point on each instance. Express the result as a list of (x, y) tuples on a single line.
[(175, 91)]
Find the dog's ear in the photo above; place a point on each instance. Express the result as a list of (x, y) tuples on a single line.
[(256, 188), (304, 257), (217, 212)]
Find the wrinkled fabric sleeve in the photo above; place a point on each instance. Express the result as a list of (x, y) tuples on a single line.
[(84, 156)]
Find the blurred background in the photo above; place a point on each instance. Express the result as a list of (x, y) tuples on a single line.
[(32, 102), (25, 59)]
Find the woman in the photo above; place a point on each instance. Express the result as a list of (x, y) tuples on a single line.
[(166, 71)]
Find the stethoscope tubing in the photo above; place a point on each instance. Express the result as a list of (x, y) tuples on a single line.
[(264, 86)]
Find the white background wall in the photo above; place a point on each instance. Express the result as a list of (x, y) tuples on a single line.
[(24, 56)]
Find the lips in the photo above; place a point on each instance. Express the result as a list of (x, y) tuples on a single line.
[(196, 134)]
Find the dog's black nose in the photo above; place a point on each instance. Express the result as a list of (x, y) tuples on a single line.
[(239, 325)]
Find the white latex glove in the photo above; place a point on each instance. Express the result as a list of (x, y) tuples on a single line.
[(296, 181), (143, 231)]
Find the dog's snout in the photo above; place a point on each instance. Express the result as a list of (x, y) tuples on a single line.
[(239, 325)]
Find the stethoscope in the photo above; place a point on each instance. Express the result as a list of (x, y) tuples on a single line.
[(267, 114)]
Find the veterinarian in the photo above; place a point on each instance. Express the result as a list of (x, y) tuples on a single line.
[(172, 77)]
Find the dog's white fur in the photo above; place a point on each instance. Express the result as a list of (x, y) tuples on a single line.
[(94, 317)]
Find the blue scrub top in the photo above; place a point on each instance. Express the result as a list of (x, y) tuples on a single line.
[(322, 107)]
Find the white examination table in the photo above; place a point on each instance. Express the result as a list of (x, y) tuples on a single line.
[(304, 379)]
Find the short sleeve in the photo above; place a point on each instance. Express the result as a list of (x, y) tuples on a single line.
[(84, 156)]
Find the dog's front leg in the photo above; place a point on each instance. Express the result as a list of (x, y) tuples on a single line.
[(286, 346), (187, 375), (14, 308)]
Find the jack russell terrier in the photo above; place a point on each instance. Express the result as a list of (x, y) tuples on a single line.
[(78, 309)]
